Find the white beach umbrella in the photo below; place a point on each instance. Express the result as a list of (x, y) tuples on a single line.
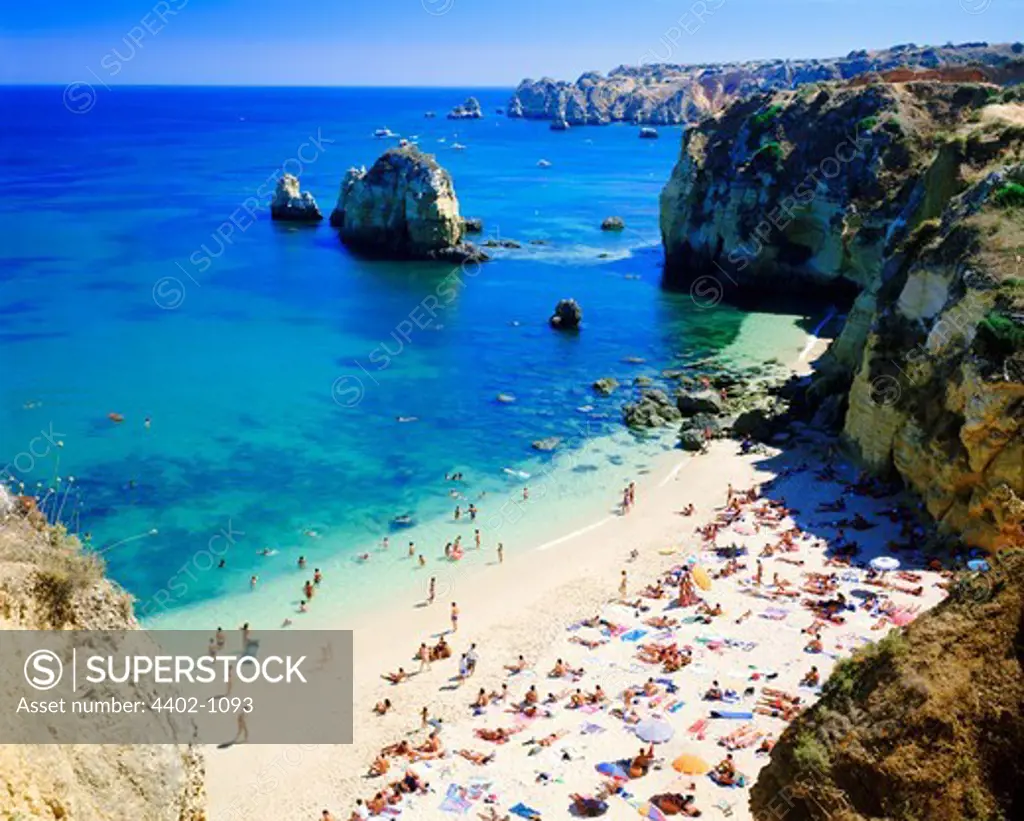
[(885, 563)]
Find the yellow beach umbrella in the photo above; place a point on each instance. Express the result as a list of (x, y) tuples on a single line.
[(691, 765), (701, 578)]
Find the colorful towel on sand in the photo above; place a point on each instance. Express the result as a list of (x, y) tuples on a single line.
[(675, 708), (455, 800), (775, 614), (731, 714), (587, 728), (634, 635), (524, 811)]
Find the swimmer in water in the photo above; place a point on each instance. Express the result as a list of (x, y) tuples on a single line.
[(266, 552), (412, 550), (386, 543), (252, 582), (423, 562), (302, 562), (147, 423), (364, 557), (406, 418), (222, 564)]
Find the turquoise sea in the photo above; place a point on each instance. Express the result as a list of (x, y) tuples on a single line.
[(272, 364)]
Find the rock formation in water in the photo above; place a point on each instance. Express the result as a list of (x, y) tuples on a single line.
[(404, 207), (659, 93), (292, 205), (567, 316), (469, 110), (926, 724), (48, 583), (907, 195)]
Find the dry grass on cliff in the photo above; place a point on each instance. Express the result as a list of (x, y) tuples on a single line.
[(927, 724)]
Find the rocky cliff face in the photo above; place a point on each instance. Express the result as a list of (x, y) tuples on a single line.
[(909, 196), (926, 724), (404, 207), (48, 583), (662, 93)]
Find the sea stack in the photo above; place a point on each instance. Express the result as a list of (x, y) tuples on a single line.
[(404, 207), (469, 110), (567, 316), (292, 205)]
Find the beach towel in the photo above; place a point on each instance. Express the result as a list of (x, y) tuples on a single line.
[(675, 708), (775, 614), (731, 714), (455, 800), (524, 811), (634, 635), (587, 728)]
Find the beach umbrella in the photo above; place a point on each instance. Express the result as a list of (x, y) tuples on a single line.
[(691, 765), (649, 810), (885, 563), (654, 730), (701, 578), (612, 769)]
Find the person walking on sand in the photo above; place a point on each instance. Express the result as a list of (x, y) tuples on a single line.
[(455, 617), (476, 538), (432, 590), (424, 718), (422, 560), (424, 657), (501, 553), (412, 550), (760, 573), (471, 659), (623, 585)]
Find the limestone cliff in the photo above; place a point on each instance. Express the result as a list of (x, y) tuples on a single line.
[(660, 93), (926, 724), (404, 207), (48, 583), (907, 195)]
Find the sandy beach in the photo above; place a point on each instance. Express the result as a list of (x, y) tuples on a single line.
[(531, 605)]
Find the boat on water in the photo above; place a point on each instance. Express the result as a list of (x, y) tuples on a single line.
[(384, 132), (458, 146)]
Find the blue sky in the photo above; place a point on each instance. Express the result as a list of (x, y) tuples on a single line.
[(451, 42)]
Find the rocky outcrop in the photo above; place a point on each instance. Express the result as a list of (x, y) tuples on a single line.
[(692, 402), (404, 207), (900, 194), (613, 224), (567, 316), (653, 409), (469, 110), (658, 93), (606, 385), (926, 724), (292, 205), (48, 583)]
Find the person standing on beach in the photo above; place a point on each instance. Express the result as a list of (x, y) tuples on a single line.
[(501, 553), (623, 585), (412, 550), (424, 718), (471, 659), (424, 657), (476, 538), (432, 590), (760, 573), (423, 561), (455, 617)]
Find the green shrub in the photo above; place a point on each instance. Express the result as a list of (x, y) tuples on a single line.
[(1009, 195), (1000, 334), (867, 124), (770, 150), (810, 754), (763, 118)]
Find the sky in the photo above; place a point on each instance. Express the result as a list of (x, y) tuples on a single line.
[(465, 43)]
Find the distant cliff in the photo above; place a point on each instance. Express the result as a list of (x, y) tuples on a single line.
[(909, 196), (665, 93), (48, 583)]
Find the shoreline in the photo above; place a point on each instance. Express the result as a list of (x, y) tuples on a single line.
[(520, 607)]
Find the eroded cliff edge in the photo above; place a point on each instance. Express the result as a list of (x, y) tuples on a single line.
[(926, 724), (910, 198), (47, 582)]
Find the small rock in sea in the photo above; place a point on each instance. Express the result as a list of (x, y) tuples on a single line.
[(429, 115), (547, 444), (643, 381), (631, 276), (506, 398), (559, 124), (634, 360), (606, 385), (648, 134), (501, 243), (499, 111), (469, 110), (472, 225), (567, 316), (603, 255), (694, 402), (292, 205), (613, 224), (539, 242)]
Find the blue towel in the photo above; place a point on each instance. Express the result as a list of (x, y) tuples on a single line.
[(634, 635), (523, 811), (731, 714)]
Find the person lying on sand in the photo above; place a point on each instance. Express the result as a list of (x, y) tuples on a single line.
[(588, 643), (662, 622), (382, 707), (676, 804), (410, 783), (397, 677), (498, 736), (429, 749), (586, 806), (547, 741), (377, 804), (561, 669), (517, 667), (400, 748), (480, 759), (639, 766)]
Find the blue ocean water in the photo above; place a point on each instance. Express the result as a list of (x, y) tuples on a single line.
[(272, 363)]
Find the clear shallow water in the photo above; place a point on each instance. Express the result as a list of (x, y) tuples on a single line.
[(105, 217)]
